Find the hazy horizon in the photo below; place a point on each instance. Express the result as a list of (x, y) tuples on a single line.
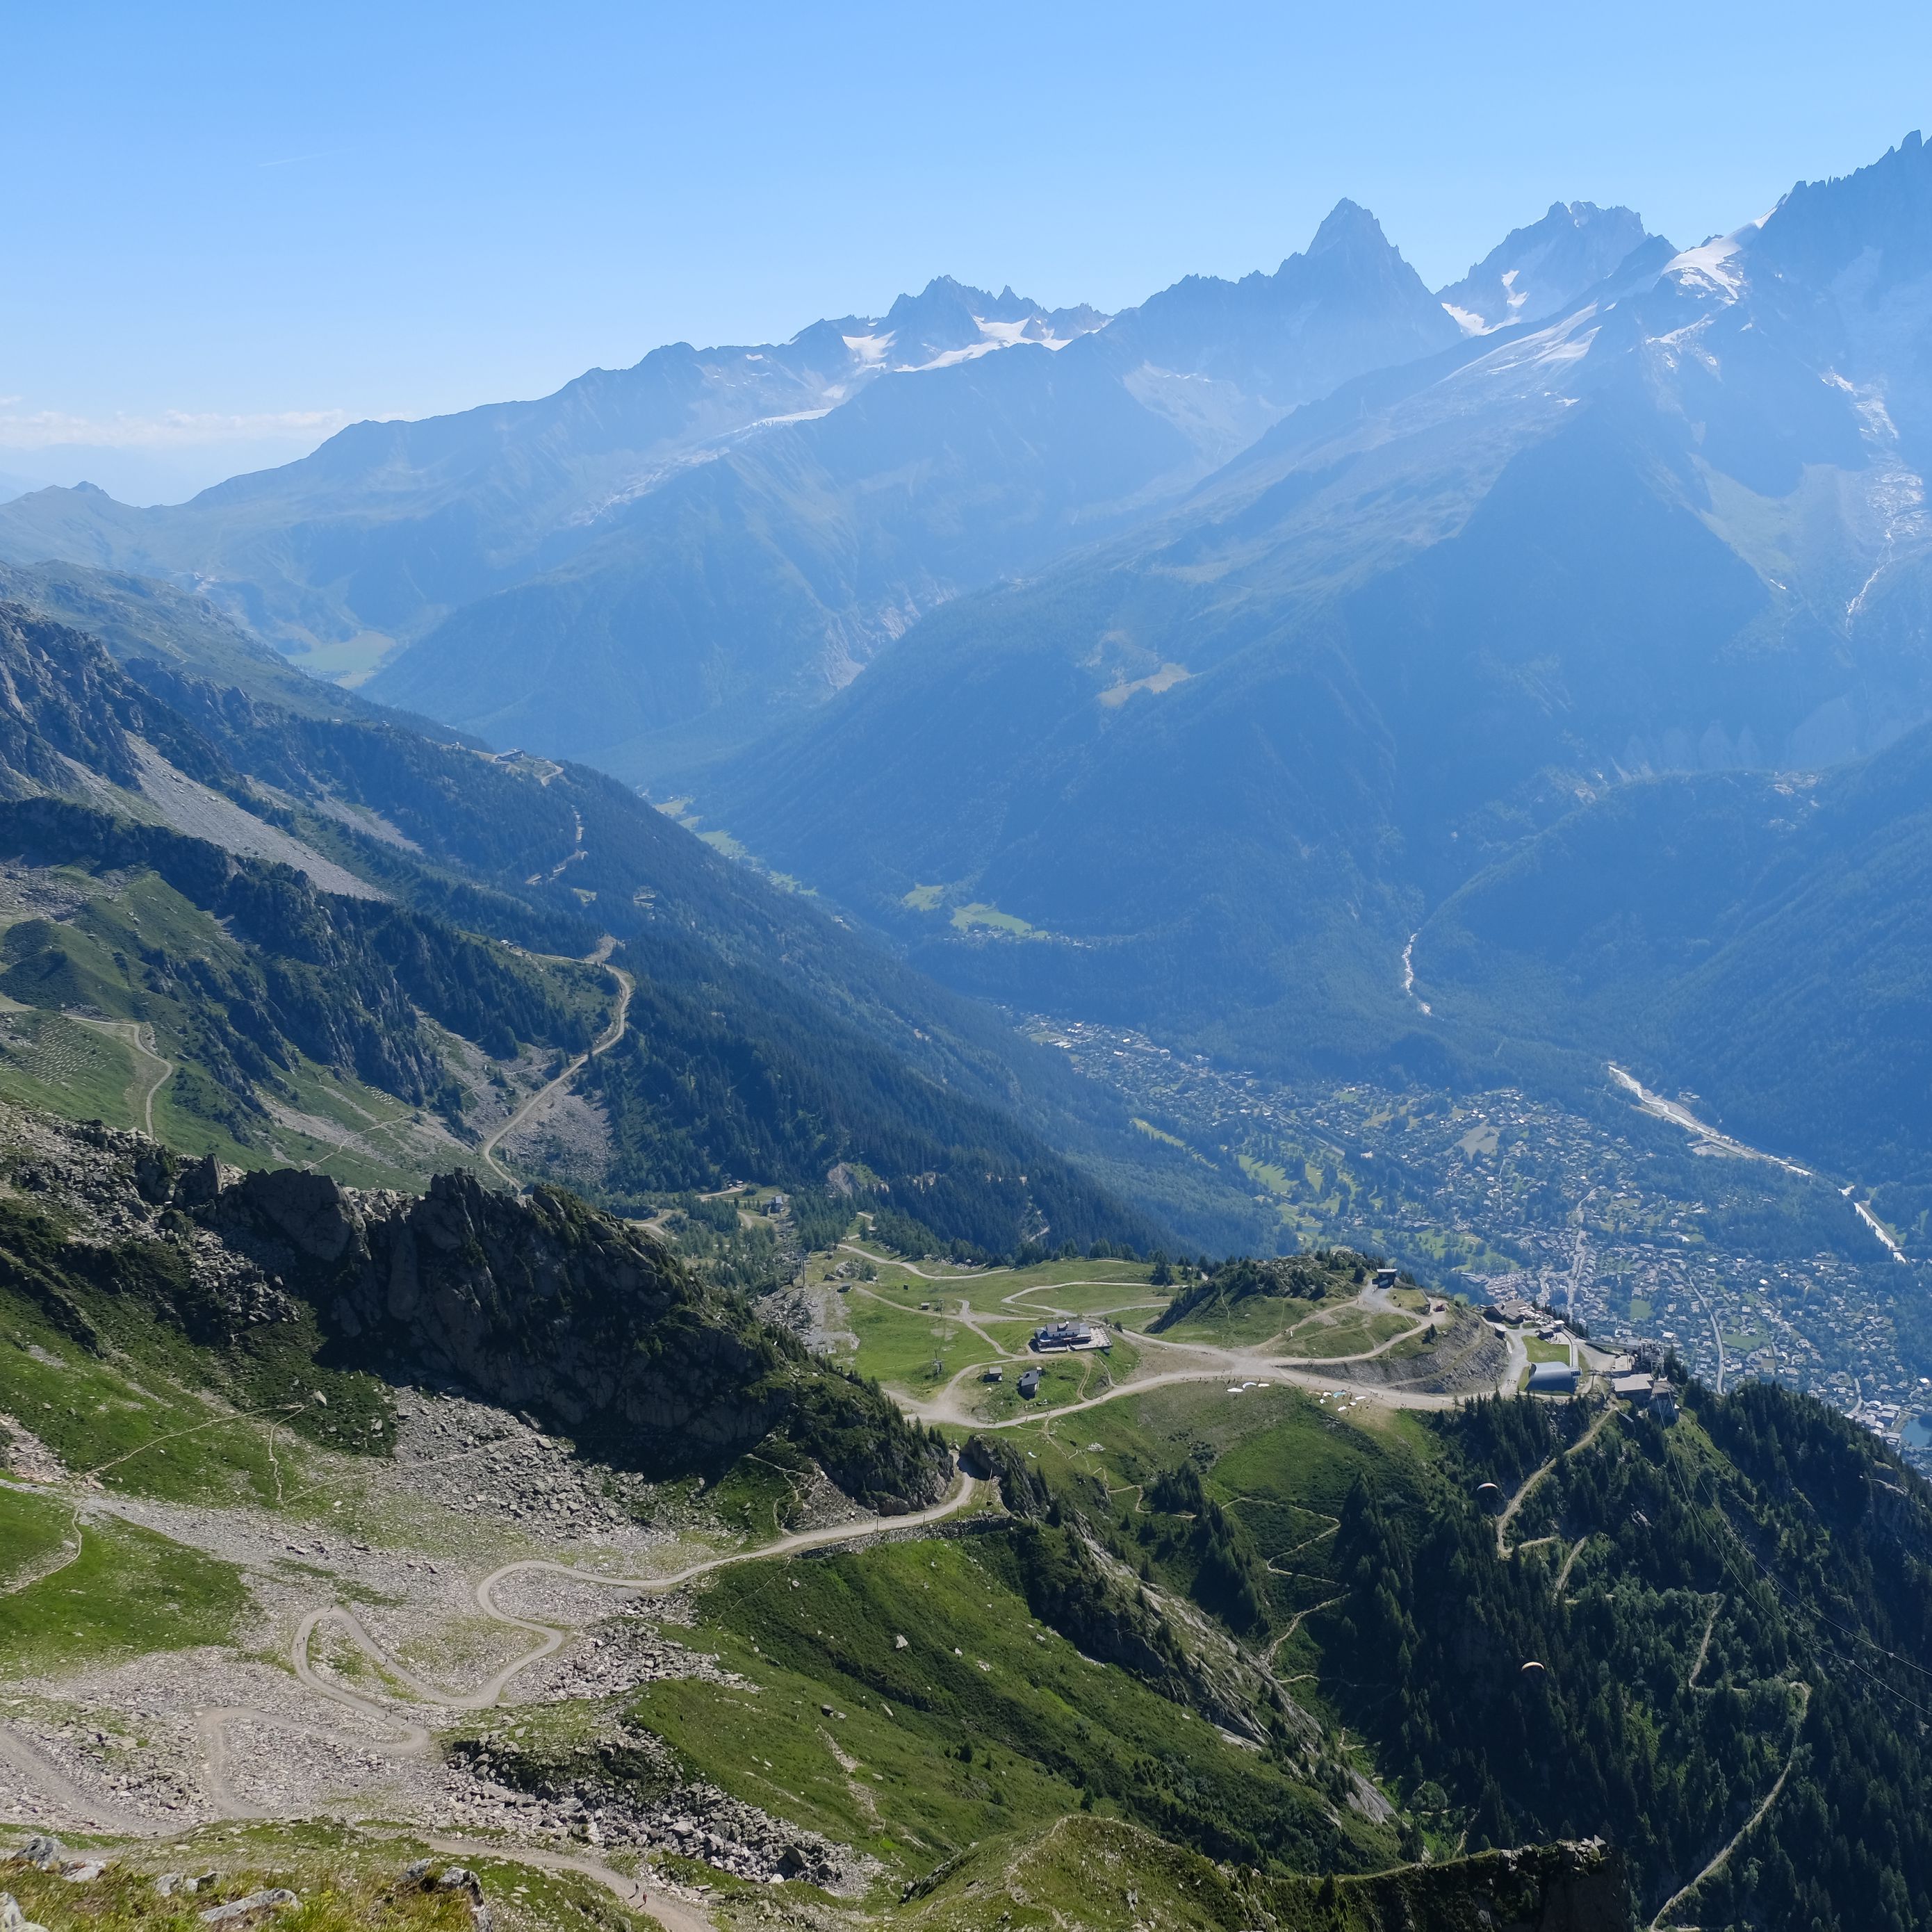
[(259, 230)]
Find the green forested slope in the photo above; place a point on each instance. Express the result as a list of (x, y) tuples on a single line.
[(540, 1303), (551, 856), (142, 617), (1747, 1611), (768, 1041), (1726, 1621), (1763, 940), (1206, 1646)]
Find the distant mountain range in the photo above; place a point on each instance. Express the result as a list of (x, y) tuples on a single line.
[(1221, 766), (656, 565), (391, 526), (1179, 668)]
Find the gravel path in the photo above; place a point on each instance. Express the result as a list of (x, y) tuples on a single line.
[(538, 1101)]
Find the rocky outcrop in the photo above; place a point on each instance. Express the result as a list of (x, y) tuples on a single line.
[(624, 1786), (539, 1304), (64, 703), (543, 1304), (1579, 1887)]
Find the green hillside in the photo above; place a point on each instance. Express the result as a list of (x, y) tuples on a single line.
[(550, 857), (438, 998), (1202, 1658)]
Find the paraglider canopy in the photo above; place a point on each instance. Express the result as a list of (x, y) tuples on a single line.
[(1532, 1671), (1490, 1497)]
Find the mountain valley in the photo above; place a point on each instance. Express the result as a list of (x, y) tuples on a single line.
[(1014, 1120)]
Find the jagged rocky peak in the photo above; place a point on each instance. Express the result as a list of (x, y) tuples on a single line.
[(1534, 270), (1351, 263), (951, 319), (1349, 226), (1876, 222), (1348, 303)]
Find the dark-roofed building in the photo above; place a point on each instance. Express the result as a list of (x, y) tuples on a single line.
[(1063, 1335)]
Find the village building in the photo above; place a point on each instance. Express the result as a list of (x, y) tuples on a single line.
[(1061, 1335)]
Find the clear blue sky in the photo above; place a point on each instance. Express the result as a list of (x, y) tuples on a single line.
[(243, 215)]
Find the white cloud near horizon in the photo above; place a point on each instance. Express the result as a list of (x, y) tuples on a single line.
[(46, 429)]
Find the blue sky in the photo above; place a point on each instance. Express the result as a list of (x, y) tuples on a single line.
[(229, 229)]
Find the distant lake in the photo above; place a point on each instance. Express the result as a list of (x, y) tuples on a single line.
[(1917, 1434)]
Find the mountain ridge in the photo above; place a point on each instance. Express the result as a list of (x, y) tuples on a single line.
[(1416, 622), (277, 1010)]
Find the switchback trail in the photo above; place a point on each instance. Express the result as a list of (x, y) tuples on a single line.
[(1517, 1501), (47, 1781), (1750, 1825), (550, 1638), (828, 1538), (408, 1738), (1569, 1564), (1704, 1647), (673, 1914)]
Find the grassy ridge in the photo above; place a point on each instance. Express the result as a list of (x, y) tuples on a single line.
[(128, 1593), (997, 1721)]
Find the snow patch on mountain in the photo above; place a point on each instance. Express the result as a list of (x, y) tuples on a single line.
[(1714, 267)]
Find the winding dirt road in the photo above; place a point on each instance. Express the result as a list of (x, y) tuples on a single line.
[(410, 1739), (407, 1737), (1521, 1496), (1202, 1364), (1750, 1825), (139, 1036), (620, 1020), (672, 1914)]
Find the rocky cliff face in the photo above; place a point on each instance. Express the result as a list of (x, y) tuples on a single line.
[(1579, 1887), (64, 703), (540, 1303), (543, 1304)]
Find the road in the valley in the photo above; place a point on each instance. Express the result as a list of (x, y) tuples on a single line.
[(1679, 1115)]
